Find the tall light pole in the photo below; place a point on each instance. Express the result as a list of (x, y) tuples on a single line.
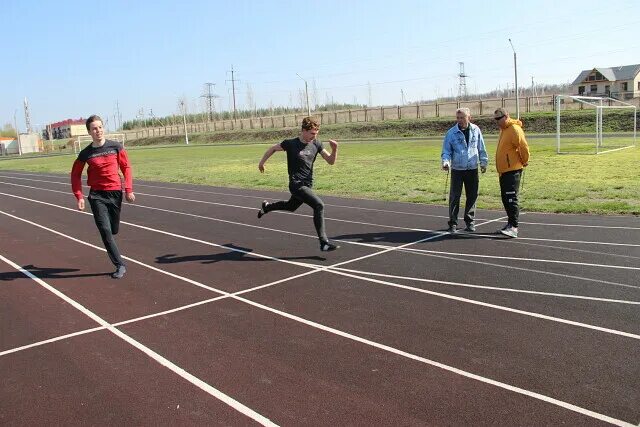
[(515, 70), (306, 92), (184, 121)]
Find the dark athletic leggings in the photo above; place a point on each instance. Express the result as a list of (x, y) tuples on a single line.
[(299, 196), (105, 206)]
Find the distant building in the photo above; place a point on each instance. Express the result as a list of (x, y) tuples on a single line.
[(617, 82), (69, 128)]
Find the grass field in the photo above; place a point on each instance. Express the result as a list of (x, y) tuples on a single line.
[(403, 170)]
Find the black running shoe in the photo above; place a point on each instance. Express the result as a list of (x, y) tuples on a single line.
[(328, 247), (262, 210), (119, 273)]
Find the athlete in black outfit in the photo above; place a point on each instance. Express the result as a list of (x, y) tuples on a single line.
[(301, 153)]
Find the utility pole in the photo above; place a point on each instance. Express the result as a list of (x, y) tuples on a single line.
[(515, 70), (233, 89), (306, 91), (462, 82)]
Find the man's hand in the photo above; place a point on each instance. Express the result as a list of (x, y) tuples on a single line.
[(333, 144), (130, 197), (445, 166), (81, 204), (261, 167), (483, 169)]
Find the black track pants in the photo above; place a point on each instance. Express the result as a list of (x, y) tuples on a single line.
[(105, 206), (509, 187)]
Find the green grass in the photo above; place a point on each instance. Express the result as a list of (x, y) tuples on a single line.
[(403, 170)]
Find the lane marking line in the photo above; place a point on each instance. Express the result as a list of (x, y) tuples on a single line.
[(243, 409)]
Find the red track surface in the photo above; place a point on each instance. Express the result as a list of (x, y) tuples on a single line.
[(384, 331)]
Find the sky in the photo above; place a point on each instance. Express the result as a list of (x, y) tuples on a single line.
[(71, 59)]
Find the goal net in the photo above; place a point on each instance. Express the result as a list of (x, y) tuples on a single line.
[(594, 125), (83, 140)]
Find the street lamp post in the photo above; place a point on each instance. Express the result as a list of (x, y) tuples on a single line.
[(515, 70), (184, 122), (306, 92)]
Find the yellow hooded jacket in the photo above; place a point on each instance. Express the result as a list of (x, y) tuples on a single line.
[(513, 151)]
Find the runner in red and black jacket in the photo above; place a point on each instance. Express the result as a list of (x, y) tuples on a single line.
[(104, 158)]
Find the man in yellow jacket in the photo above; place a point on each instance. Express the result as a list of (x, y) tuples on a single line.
[(512, 156)]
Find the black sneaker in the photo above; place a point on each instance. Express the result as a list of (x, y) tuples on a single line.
[(452, 229), (119, 273), (471, 227), (328, 247), (262, 210)]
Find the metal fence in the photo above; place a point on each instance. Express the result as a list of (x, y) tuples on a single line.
[(374, 114)]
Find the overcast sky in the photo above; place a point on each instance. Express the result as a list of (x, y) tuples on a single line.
[(71, 59)]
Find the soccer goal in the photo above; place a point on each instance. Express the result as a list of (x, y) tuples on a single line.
[(83, 140), (594, 125)]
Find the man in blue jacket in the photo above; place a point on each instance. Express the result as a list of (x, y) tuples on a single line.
[(462, 150)]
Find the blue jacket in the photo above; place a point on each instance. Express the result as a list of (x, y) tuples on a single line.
[(461, 156)]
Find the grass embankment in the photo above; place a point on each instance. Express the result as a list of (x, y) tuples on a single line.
[(580, 121), (403, 170)]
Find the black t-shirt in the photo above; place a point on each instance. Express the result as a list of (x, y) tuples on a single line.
[(466, 133), (300, 158)]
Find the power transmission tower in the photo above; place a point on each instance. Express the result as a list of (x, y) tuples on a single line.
[(462, 82), (209, 96), (233, 89), (27, 116), (404, 101)]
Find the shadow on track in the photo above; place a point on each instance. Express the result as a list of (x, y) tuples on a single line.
[(47, 273)]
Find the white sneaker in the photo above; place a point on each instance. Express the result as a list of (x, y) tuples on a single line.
[(510, 231)]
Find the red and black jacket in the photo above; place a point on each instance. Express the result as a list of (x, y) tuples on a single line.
[(102, 172)]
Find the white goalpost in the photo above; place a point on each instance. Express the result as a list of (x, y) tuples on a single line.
[(610, 125), (83, 140)]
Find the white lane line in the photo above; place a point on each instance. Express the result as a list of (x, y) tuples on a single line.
[(541, 260), (370, 224), (410, 250), (238, 195), (50, 340), (437, 234), (342, 206), (494, 306), (371, 245), (492, 288), (245, 410), (422, 359), (448, 368), (238, 406), (529, 270), (475, 235), (332, 269), (551, 224)]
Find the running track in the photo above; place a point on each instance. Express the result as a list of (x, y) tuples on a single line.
[(226, 319)]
